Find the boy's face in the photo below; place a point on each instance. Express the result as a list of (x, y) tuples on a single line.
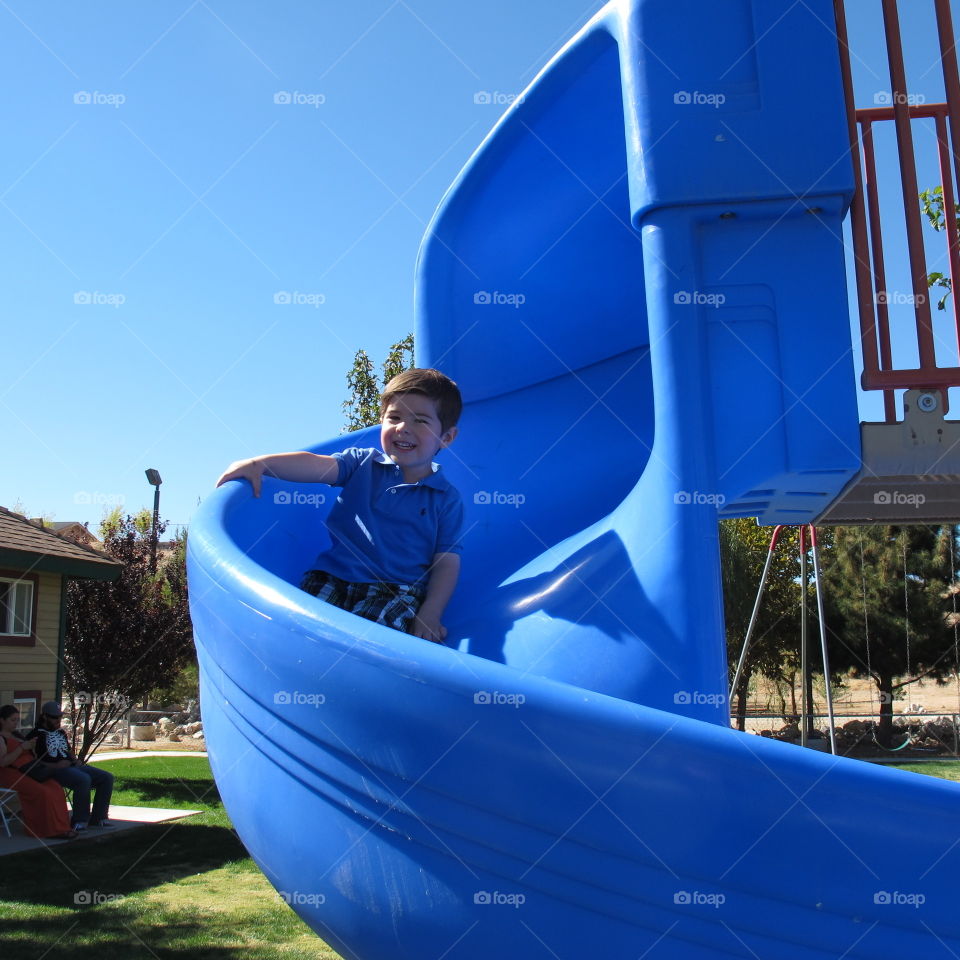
[(411, 434)]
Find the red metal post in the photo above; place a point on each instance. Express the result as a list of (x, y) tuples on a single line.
[(949, 217), (951, 78), (911, 191), (858, 216), (879, 268)]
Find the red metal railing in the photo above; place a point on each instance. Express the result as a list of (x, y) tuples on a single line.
[(879, 372)]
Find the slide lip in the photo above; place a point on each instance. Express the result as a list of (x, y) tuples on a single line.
[(246, 583)]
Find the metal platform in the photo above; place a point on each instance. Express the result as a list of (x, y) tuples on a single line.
[(911, 471)]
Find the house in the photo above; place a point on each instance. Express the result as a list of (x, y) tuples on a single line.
[(35, 565), (74, 530)]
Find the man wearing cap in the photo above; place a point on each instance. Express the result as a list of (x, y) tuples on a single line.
[(53, 750)]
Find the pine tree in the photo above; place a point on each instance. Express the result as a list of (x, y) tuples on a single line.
[(885, 594)]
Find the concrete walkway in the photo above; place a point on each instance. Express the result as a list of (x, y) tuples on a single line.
[(132, 754), (122, 818)]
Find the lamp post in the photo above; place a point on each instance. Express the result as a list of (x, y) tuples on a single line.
[(153, 478)]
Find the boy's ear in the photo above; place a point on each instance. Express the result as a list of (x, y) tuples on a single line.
[(448, 437)]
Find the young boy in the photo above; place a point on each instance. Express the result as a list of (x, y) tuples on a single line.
[(395, 528)]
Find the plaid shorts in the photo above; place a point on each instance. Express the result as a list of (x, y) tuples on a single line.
[(392, 604)]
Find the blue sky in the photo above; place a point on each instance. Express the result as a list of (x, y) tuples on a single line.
[(157, 201)]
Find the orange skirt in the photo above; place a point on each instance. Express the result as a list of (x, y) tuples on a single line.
[(43, 805)]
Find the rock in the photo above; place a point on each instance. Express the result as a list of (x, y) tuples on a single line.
[(198, 735), (174, 738)]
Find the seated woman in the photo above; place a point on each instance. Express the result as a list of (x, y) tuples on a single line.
[(43, 805)]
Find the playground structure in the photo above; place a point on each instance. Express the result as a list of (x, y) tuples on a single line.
[(621, 281)]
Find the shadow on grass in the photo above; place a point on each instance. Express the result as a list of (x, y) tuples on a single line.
[(174, 793), (117, 933), (126, 863)]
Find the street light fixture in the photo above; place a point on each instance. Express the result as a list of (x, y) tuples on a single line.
[(153, 478)]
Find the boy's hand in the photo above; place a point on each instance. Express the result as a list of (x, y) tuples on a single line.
[(251, 470), (428, 627)]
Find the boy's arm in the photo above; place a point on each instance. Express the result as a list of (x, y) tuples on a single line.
[(298, 467), (443, 578)]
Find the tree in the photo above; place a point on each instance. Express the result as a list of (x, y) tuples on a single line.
[(128, 636), (931, 202), (363, 406), (743, 550), (885, 588)]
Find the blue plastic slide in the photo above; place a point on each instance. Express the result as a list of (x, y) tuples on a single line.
[(638, 282)]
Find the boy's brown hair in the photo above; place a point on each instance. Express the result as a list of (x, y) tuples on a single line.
[(430, 383)]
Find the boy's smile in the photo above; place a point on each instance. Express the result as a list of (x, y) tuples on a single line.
[(411, 434)]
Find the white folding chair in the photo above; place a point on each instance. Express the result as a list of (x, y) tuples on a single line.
[(7, 798)]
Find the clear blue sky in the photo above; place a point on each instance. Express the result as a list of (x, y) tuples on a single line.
[(155, 200)]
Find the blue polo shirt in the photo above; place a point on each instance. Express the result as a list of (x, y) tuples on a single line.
[(385, 529)]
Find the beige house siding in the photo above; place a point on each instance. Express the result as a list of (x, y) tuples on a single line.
[(35, 667)]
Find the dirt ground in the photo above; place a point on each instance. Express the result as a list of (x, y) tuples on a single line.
[(187, 743), (858, 698)]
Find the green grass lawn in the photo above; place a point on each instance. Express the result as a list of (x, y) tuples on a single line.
[(184, 889), (945, 769)]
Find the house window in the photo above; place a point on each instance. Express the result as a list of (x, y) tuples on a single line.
[(16, 607), (28, 712)]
